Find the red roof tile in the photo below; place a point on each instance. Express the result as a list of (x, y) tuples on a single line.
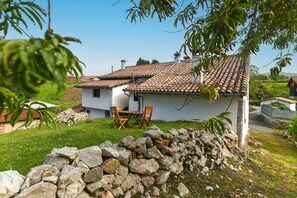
[(104, 83), (229, 73), (147, 70)]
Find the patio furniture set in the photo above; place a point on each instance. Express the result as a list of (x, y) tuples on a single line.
[(122, 117)]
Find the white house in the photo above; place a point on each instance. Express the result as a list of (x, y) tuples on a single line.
[(174, 92), (99, 96), (291, 104)]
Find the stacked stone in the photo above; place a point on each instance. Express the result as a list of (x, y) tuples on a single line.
[(70, 117), (126, 168)]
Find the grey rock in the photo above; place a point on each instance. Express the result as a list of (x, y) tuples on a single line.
[(138, 188), (10, 183), (67, 152), (183, 190), (129, 182), (143, 166), (57, 161), (127, 142), (154, 153), (128, 194), (167, 136), (149, 142), (165, 150), (202, 161), (176, 168), (91, 156), (51, 179), (164, 188), (147, 181), (104, 184), (124, 156), (162, 177), (154, 127), (110, 165), (206, 138), (153, 134), (205, 170), (93, 175), (117, 192), (141, 151), (36, 174), (84, 168), (106, 144), (166, 162), (72, 190), (141, 142), (109, 152), (69, 175), (198, 150), (84, 194), (209, 188), (182, 131), (155, 192), (120, 176), (173, 132), (41, 189)]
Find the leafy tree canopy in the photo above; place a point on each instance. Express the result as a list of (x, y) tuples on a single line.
[(214, 28), (142, 61), (154, 61), (25, 64)]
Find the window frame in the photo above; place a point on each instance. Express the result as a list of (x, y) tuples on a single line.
[(95, 93)]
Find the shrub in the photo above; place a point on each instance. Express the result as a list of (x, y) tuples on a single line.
[(292, 128), (278, 106)]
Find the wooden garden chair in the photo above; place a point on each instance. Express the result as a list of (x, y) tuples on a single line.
[(145, 120), (119, 121)]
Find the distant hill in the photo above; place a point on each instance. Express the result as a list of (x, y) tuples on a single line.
[(282, 73)]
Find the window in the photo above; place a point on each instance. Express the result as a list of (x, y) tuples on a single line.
[(136, 97), (96, 93)]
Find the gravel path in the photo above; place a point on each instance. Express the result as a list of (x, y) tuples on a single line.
[(256, 123)]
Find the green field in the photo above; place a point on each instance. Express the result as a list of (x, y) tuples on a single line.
[(66, 98)]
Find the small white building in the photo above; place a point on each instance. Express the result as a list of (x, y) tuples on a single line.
[(173, 92), (291, 104)]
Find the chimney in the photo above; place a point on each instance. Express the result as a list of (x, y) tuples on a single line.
[(186, 57), (123, 61), (176, 57), (196, 78), (111, 69)]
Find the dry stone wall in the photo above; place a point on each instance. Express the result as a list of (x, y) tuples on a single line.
[(142, 166)]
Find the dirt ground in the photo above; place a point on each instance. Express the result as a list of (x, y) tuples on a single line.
[(6, 128)]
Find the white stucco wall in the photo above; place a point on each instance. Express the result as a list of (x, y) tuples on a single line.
[(164, 107), (96, 113), (118, 96), (96, 103), (292, 107), (133, 105)]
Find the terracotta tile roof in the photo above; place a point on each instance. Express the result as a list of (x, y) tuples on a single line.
[(104, 83), (281, 99), (229, 73), (147, 70)]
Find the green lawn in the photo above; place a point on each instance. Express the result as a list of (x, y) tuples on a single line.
[(21, 150)]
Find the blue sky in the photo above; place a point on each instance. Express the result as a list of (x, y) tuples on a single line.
[(107, 37)]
